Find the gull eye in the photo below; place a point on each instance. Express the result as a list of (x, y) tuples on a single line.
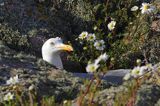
[(52, 43)]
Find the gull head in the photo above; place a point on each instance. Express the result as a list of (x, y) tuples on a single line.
[(51, 50)]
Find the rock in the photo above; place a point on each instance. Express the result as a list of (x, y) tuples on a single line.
[(43, 20), (147, 95), (47, 81), (156, 25), (112, 76), (61, 84)]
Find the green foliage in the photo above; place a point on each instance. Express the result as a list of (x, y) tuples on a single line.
[(103, 14), (127, 41), (29, 99), (13, 38)]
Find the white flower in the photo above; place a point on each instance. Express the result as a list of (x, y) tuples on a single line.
[(143, 69), (139, 71), (83, 35), (127, 76), (147, 8), (97, 61), (65, 102), (8, 97), (13, 80), (95, 28), (136, 71), (111, 25), (134, 8), (103, 57), (92, 67), (91, 37), (99, 45), (131, 23)]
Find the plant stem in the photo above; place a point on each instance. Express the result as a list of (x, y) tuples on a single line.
[(80, 99)]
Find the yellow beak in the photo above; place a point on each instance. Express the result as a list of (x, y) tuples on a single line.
[(65, 47)]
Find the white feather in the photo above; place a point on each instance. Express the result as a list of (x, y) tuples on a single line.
[(51, 54)]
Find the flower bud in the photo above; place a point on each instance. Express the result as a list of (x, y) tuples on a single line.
[(138, 61)]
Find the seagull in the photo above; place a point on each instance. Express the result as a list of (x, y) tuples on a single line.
[(51, 50)]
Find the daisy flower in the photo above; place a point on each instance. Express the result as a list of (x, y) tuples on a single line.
[(83, 35), (99, 45), (103, 57), (8, 97), (147, 8), (92, 67), (139, 71), (111, 25), (136, 71), (143, 69), (134, 8), (91, 37)]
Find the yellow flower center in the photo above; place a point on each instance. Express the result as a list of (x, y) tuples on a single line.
[(92, 68), (136, 72), (112, 25), (84, 35), (99, 44), (91, 37), (146, 7)]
